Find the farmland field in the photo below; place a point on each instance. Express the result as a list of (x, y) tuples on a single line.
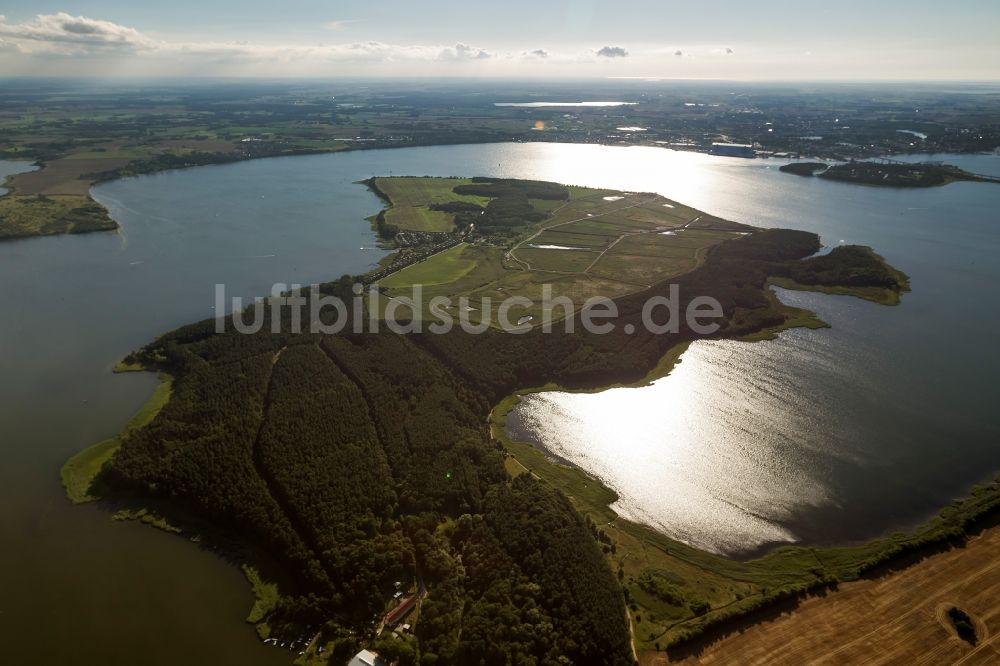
[(896, 619), (443, 268), (591, 242), (557, 261), (66, 176)]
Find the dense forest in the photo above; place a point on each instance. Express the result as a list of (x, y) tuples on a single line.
[(357, 460), (509, 207), (896, 174), (845, 265)]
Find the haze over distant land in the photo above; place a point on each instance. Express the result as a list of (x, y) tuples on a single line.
[(767, 40)]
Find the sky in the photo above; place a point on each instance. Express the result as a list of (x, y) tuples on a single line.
[(687, 39)]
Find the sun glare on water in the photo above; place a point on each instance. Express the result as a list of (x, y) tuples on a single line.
[(700, 455)]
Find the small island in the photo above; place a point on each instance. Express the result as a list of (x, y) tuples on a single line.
[(887, 173), (803, 168)]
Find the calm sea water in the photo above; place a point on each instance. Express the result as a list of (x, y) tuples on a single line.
[(884, 417)]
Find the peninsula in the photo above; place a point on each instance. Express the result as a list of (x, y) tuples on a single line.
[(357, 472)]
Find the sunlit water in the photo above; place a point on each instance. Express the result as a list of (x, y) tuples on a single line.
[(729, 450), (820, 436)]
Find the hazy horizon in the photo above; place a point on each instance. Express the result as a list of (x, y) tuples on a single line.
[(774, 40)]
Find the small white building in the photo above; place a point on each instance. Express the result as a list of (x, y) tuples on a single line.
[(366, 658)]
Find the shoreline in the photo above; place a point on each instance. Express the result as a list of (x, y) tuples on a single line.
[(80, 471), (101, 178), (497, 418)]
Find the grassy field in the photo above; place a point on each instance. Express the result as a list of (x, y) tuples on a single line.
[(411, 197), (442, 268), (641, 269), (895, 619), (624, 236), (472, 267), (572, 239), (266, 596), (418, 218), (42, 215), (615, 242), (557, 261), (80, 471)]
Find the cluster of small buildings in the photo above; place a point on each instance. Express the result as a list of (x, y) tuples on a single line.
[(418, 253), (411, 238)]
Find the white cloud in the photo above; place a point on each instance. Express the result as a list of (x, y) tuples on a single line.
[(340, 24), (464, 52), (61, 44), (63, 32)]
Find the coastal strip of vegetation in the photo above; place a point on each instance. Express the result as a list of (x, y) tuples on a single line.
[(22, 216), (80, 471), (847, 270)]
